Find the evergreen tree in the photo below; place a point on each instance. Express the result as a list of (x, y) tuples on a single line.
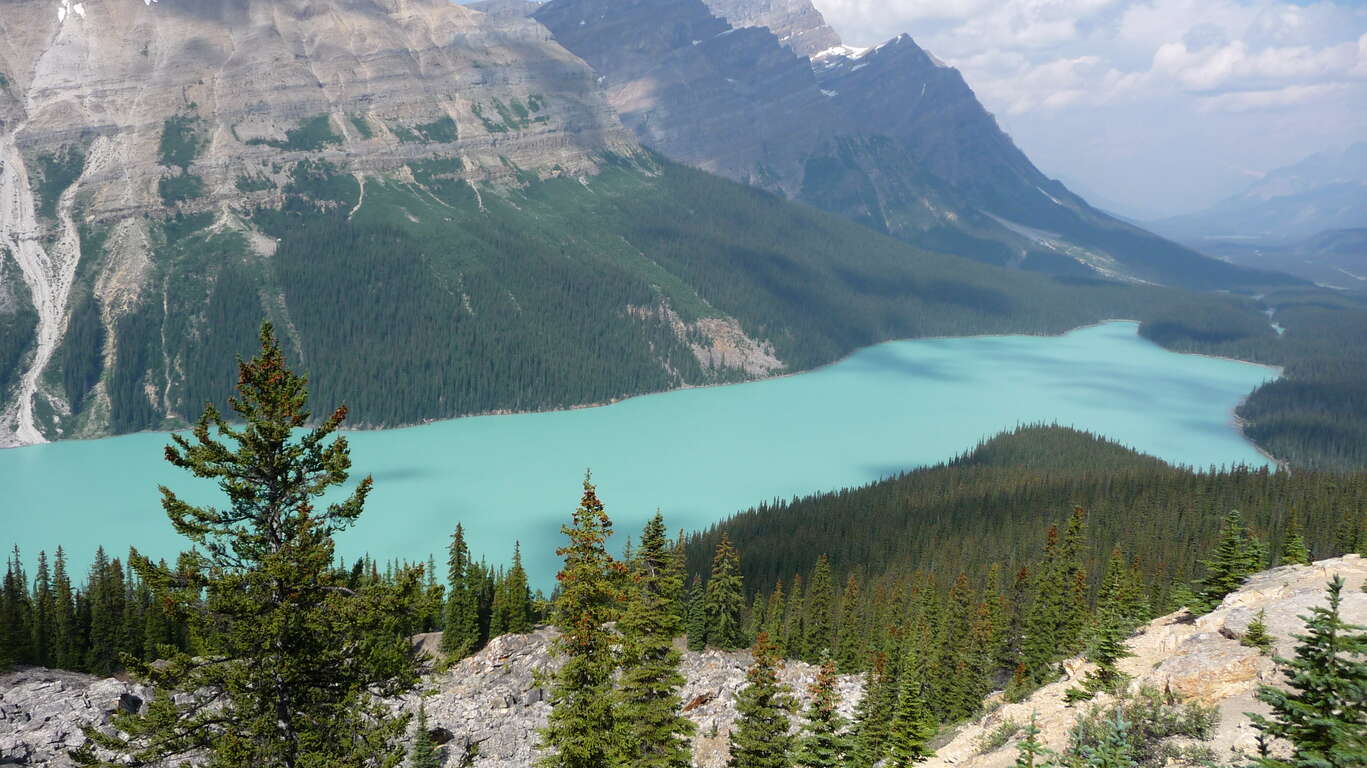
[(1044, 620), (1237, 555), (424, 752), (873, 714), (1294, 549), (1110, 629), (16, 614), (725, 599), (512, 604), (461, 633), (761, 738), (294, 666), (851, 644), (773, 614), (696, 618), (1074, 613), (1030, 752), (913, 725), (1324, 714), (44, 616), (820, 604), (754, 618), (1114, 749), (106, 615), (653, 734), (792, 644), (579, 733), (64, 641), (1256, 635), (823, 742)]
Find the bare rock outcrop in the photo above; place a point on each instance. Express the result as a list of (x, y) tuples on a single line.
[(1199, 660), (485, 711)]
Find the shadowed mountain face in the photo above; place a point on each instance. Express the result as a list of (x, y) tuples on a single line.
[(887, 136)]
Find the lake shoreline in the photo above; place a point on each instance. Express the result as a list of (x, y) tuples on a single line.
[(367, 428)]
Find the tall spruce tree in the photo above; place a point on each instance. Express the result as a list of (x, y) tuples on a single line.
[(873, 714), (823, 743), (851, 644), (1324, 714), (1237, 555), (653, 734), (64, 639), (913, 725), (294, 665), (580, 730), (1294, 549), (820, 604), (695, 616), (44, 615), (760, 738), (16, 614), (461, 634), (512, 604), (1110, 629), (725, 599)]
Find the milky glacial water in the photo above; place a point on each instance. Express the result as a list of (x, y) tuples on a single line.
[(698, 455)]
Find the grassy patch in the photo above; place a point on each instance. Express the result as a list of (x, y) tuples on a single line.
[(58, 171), (177, 189), (362, 126), (247, 183), (180, 142), (310, 136), (439, 131), (997, 737)]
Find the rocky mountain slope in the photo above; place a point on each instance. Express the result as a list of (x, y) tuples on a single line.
[(762, 92), (114, 112), (486, 709), (412, 188)]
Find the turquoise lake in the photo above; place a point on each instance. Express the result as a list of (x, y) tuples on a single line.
[(698, 455)]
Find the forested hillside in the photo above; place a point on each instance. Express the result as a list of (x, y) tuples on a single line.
[(407, 303), (991, 507), (1315, 416)]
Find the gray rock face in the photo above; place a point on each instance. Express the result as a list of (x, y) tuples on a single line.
[(888, 136), (43, 711), (732, 101), (485, 710), (168, 107), (797, 23)]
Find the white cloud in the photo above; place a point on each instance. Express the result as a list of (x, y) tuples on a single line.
[(1057, 69)]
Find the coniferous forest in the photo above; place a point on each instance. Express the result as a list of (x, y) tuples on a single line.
[(407, 309), (937, 586)]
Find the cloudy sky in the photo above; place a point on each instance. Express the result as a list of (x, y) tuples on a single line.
[(1150, 107)]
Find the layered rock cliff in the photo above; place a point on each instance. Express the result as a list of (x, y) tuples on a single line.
[(117, 113), (486, 709)]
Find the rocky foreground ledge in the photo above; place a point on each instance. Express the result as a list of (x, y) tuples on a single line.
[(486, 709), (1200, 660)]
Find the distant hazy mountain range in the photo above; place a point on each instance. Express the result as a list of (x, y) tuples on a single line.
[(451, 211), (1326, 191)]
